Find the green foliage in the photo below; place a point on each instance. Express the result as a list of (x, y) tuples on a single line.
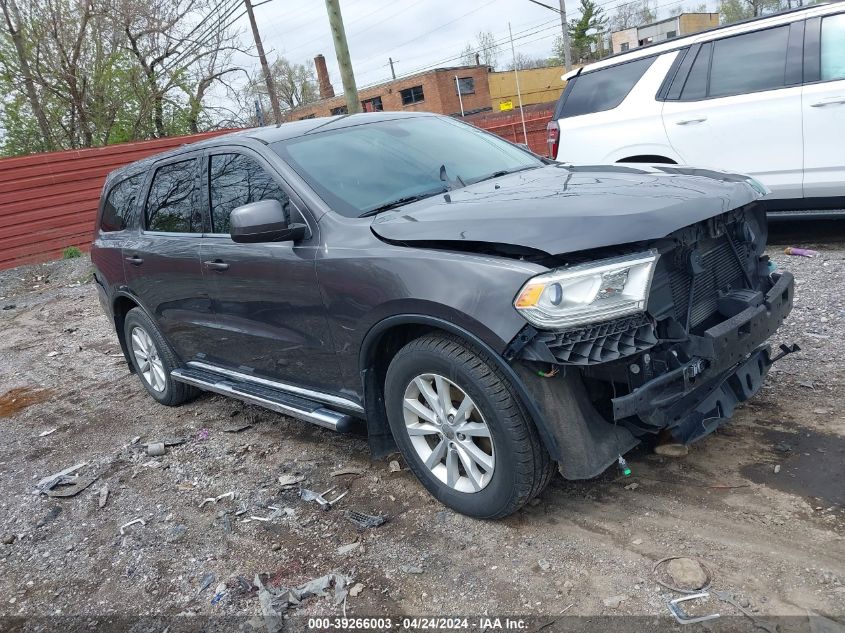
[(586, 33), (71, 252)]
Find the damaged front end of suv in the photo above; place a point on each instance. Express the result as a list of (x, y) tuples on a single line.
[(665, 339)]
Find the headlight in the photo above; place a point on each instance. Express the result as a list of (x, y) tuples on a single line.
[(588, 293)]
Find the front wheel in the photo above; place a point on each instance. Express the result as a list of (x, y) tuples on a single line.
[(462, 430)]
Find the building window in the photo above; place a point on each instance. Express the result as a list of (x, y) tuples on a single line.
[(372, 105), (624, 47), (646, 41), (466, 85), (339, 110), (412, 95), (671, 34)]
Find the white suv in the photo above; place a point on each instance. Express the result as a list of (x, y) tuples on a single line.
[(764, 97)]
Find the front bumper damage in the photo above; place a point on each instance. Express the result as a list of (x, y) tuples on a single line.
[(688, 386)]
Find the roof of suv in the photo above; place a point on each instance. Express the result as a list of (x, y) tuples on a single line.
[(735, 28)]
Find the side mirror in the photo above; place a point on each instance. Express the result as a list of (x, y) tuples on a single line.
[(263, 221)]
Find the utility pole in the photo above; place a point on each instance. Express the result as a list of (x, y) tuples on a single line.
[(392, 72), (518, 91), (268, 78), (567, 54), (344, 63)]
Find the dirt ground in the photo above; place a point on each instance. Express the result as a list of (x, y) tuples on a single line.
[(760, 502)]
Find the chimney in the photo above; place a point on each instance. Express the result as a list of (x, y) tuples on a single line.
[(326, 89)]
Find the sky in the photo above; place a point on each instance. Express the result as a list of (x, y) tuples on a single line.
[(417, 34)]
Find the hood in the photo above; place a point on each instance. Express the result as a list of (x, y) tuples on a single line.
[(561, 209)]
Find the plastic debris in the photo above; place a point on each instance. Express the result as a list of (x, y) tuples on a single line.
[(225, 495), (365, 521), (131, 523), (71, 486), (53, 480), (800, 252), (275, 601), (290, 480), (346, 471), (682, 617), (46, 433), (205, 583), (156, 449), (203, 435), (320, 497)]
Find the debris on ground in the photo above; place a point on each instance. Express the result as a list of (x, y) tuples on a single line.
[(155, 449), (131, 523), (347, 471), (544, 564), (614, 602), (357, 588), (237, 428), (682, 617), (728, 598), (688, 574), (394, 466), (71, 486), (8, 539), (800, 252), (365, 521), (320, 498), (632, 486), (203, 435), (104, 496), (275, 601), (343, 550), (46, 433), (225, 495), (50, 481), (411, 569), (285, 481)]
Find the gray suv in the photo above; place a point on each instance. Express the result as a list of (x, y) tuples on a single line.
[(495, 315)]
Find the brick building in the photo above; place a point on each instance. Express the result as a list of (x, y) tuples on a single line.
[(430, 91), (676, 26)]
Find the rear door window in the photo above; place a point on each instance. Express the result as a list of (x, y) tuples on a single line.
[(833, 48), (603, 89), (119, 203), (172, 202), (696, 84), (236, 180), (749, 63)]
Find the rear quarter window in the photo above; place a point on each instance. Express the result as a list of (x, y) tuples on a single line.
[(602, 90), (117, 208)]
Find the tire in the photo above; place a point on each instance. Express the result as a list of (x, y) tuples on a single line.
[(154, 376), (521, 466)]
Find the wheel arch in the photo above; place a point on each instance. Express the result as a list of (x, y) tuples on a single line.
[(388, 336), (122, 303), (648, 158)]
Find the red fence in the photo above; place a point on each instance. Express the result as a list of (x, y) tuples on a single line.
[(509, 126), (49, 201)]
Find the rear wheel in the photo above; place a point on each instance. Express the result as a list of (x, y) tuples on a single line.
[(153, 360), (462, 430)]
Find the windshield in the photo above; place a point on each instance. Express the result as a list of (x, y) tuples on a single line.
[(361, 168)]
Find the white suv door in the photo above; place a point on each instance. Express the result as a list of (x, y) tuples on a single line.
[(739, 108), (824, 107)]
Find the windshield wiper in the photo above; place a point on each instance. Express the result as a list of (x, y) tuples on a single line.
[(505, 172), (400, 201)]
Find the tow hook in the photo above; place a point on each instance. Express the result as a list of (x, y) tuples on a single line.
[(785, 350)]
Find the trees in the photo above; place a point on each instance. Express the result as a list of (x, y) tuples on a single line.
[(296, 84), (631, 14), (486, 48), (586, 33), (81, 73), (524, 62), (735, 10)]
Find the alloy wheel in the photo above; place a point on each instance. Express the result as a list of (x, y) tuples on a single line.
[(150, 364), (449, 433)]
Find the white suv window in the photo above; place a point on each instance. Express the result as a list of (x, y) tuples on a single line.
[(603, 89), (749, 63), (833, 48)]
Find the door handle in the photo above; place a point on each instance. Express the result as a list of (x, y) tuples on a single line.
[(216, 265), (135, 260), (827, 102), (697, 119)]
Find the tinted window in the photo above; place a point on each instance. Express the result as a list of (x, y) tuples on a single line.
[(696, 84), (833, 48), (119, 204), (171, 205), (603, 89), (750, 62), (466, 85), (237, 180), (359, 168)]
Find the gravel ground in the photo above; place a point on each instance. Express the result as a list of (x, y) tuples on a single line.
[(760, 502)]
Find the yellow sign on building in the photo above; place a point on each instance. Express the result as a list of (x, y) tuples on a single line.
[(506, 105)]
